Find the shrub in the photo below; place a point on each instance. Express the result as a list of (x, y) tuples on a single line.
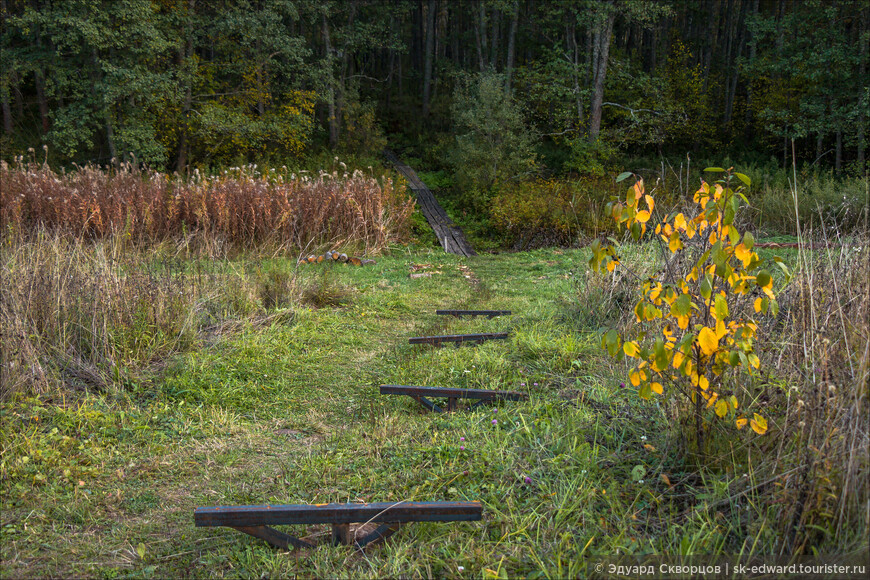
[(493, 143), (699, 328)]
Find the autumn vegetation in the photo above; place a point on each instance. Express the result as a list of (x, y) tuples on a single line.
[(671, 197)]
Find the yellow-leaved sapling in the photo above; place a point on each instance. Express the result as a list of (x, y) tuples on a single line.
[(699, 322)]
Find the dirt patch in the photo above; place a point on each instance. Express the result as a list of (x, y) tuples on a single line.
[(469, 274)]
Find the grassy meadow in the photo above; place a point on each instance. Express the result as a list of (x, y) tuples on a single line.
[(142, 380)]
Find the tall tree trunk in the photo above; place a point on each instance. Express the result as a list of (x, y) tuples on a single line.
[(496, 39), (7, 111), (602, 49), (735, 73), (100, 96), (42, 101), (261, 105), (753, 45), (862, 105), (838, 154), (330, 92), (430, 48), (480, 28), (575, 73), (391, 63), (511, 50), (186, 55)]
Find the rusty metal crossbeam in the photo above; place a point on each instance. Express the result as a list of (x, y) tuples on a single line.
[(419, 394), (460, 313), (256, 519), (458, 339)]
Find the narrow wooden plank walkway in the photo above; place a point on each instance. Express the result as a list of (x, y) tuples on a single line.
[(449, 235)]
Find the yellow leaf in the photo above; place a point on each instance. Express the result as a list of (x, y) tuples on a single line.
[(703, 382), (679, 222), (743, 254), (753, 360), (758, 424), (634, 377), (675, 243), (757, 304), (721, 408), (638, 189), (630, 349), (657, 388), (649, 202), (711, 400), (708, 341), (741, 422), (643, 216), (611, 265), (721, 331), (678, 359), (649, 447)]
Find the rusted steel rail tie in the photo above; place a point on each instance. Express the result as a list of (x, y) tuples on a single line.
[(460, 313), (419, 394), (458, 339), (256, 519)]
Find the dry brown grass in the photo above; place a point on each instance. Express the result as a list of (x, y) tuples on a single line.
[(240, 207), (823, 352)]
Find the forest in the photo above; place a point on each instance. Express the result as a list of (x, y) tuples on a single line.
[(215, 253), (207, 83)]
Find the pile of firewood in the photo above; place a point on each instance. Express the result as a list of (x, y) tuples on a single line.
[(335, 257)]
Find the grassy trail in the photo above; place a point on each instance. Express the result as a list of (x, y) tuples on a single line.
[(289, 412), (285, 409)]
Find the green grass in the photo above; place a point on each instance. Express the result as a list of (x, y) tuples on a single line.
[(288, 411)]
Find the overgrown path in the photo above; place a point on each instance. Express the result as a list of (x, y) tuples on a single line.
[(290, 413)]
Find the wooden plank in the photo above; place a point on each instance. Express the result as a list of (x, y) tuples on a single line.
[(451, 392), (265, 515), (458, 338), (473, 313), (451, 238)]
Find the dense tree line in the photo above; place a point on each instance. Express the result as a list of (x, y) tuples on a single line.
[(179, 83)]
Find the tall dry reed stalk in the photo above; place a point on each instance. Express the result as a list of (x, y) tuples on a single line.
[(823, 351), (240, 207)]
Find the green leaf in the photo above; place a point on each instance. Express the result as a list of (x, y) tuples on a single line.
[(748, 240), (763, 278), (624, 175), (706, 287), (611, 340), (682, 306), (718, 254), (744, 178), (719, 169), (728, 216), (721, 307), (638, 472), (662, 361)]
